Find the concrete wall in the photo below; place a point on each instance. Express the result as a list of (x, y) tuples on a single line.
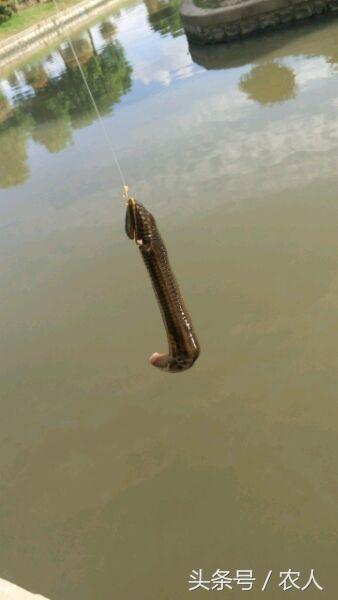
[(10, 591), (209, 26)]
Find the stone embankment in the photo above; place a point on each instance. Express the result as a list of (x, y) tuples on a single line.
[(42, 34), (240, 18)]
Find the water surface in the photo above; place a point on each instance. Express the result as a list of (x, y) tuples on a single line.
[(116, 479)]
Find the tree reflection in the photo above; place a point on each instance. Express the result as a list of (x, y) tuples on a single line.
[(53, 135), (59, 104), (164, 16), (107, 30), (333, 59), (109, 77), (83, 49), (13, 164), (36, 76), (5, 108), (269, 83)]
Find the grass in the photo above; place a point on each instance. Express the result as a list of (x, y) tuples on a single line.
[(207, 3), (30, 16)]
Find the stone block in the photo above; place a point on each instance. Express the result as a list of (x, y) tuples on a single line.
[(286, 15), (248, 26), (319, 7), (268, 20), (218, 34), (232, 30), (303, 11)]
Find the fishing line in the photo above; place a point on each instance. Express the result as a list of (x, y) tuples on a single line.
[(141, 226), (103, 127)]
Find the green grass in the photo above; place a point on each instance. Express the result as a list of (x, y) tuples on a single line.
[(207, 3), (31, 15)]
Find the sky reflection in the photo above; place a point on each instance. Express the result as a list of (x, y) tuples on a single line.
[(137, 60)]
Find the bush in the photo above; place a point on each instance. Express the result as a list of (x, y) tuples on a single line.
[(5, 10)]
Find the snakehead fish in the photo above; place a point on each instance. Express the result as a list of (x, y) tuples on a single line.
[(184, 348)]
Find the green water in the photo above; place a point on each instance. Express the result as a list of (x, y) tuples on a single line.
[(118, 480)]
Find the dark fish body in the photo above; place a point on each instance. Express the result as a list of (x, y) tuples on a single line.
[(183, 344)]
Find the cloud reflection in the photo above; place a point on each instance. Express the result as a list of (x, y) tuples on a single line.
[(171, 62)]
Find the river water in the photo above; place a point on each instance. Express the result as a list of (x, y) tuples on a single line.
[(117, 481)]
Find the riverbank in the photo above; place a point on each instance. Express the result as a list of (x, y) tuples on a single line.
[(31, 15), (42, 34)]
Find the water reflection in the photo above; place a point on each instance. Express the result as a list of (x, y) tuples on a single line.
[(280, 64), (164, 16), (84, 49), (47, 100), (14, 167), (5, 108), (36, 76), (302, 40), (269, 83), (108, 30)]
